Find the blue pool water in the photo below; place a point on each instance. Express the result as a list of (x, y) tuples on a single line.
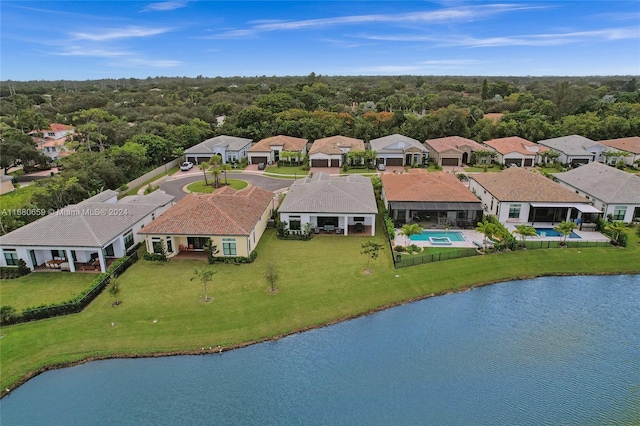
[(454, 236), (553, 233), (549, 351)]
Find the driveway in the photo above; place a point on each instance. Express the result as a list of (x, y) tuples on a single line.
[(174, 184)]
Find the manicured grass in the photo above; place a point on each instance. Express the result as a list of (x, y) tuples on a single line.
[(287, 170), (548, 169), (201, 187), (321, 281), (43, 288), (476, 169)]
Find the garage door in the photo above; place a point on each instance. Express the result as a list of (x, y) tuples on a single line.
[(258, 160), (576, 163), (319, 163), (516, 161), (528, 162), (394, 162), (335, 163), (449, 161)]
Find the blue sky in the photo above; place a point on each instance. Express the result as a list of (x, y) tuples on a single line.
[(80, 40)]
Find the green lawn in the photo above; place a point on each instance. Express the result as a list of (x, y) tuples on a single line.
[(134, 191), (40, 288), (201, 187), (321, 281), (476, 169), (287, 170)]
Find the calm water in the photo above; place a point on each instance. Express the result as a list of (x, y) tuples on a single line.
[(550, 232), (452, 235), (546, 352)]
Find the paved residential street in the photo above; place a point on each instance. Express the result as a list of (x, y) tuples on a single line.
[(174, 184)]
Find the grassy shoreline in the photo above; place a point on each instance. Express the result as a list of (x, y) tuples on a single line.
[(243, 313)]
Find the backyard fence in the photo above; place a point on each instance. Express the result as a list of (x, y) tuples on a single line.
[(533, 245), (403, 261), (150, 175), (78, 304)]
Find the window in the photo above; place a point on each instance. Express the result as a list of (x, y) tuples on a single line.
[(294, 223), (51, 134), (58, 254), (619, 212), (156, 243), (128, 239), (229, 246), (169, 245), (11, 257), (514, 211), (232, 157), (358, 219)]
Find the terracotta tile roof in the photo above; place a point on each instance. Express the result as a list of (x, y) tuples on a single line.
[(518, 184), (455, 142), (419, 185), (516, 144), (332, 144), (60, 127), (289, 143), (54, 142), (631, 144), (224, 212), (494, 116)]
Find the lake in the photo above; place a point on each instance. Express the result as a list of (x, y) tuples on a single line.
[(556, 350)]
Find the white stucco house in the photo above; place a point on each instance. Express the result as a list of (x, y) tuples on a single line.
[(399, 150), (268, 150), (614, 192), (86, 236), (516, 151), (575, 150), (344, 205), (231, 149)]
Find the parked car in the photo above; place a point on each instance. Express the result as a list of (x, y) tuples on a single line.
[(187, 165), (381, 167), (261, 166)]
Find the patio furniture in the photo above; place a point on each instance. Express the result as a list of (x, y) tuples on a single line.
[(339, 230), (329, 229), (316, 230), (181, 248)]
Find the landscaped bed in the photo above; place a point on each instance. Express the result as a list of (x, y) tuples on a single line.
[(207, 188), (321, 282)]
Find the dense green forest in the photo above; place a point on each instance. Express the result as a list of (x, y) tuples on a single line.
[(126, 127)]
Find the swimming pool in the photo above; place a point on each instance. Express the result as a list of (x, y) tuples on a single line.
[(454, 236), (550, 232)]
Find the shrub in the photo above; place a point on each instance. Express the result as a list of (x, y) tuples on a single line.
[(234, 259), (399, 249), (155, 257), (11, 272), (7, 314)]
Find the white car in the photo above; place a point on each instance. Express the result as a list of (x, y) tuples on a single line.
[(187, 165)]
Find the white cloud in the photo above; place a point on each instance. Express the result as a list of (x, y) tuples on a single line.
[(119, 33), (518, 40), (445, 16), (81, 51), (165, 6)]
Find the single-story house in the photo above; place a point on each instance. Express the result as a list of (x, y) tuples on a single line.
[(575, 150), (231, 149), (6, 184), (613, 191), (86, 236), (399, 150), (434, 199), (452, 150), (332, 151), (517, 196), (268, 150), (630, 146), (232, 220), (345, 204), (516, 151)]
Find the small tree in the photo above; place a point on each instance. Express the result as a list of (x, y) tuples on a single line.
[(371, 249), (114, 289), (487, 229), (525, 231), (271, 275), (7, 314), (215, 172), (565, 228), (205, 276), (409, 230), (616, 229), (204, 166)]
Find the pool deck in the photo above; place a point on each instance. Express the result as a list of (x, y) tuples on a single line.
[(471, 235)]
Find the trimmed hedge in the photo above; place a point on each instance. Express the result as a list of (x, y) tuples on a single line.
[(77, 303), (11, 272), (235, 259)]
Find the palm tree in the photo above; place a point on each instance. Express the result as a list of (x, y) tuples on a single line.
[(525, 231), (224, 168), (204, 166), (215, 172), (409, 230), (616, 228), (565, 228), (487, 229)]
